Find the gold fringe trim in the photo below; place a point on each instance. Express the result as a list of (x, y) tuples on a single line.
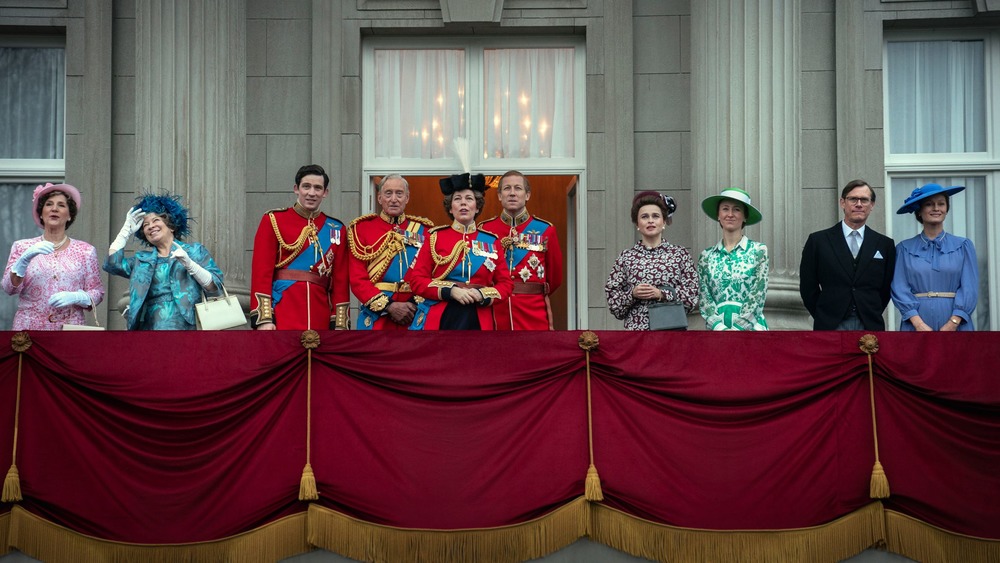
[(364, 541), (592, 485), (879, 486), (845, 537), (52, 543), (11, 486), (929, 544), (4, 528), (307, 485)]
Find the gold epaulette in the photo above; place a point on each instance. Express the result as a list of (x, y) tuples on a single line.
[(439, 227), (492, 234), (276, 209), (493, 218), (422, 220), (362, 218)]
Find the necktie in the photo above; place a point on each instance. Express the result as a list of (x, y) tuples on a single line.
[(854, 241)]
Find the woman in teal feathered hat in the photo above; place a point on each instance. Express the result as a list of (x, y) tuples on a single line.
[(936, 282), (166, 281)]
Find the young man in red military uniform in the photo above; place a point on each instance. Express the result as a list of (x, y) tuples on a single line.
[(534, 258), (382, 247), (299, 274), (460, 271)]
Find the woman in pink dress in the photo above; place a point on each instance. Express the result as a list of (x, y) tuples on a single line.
[(55, 277)]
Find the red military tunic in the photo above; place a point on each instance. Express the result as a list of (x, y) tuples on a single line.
[(299, 274), (535, 263), (382, 249), (457, 256)]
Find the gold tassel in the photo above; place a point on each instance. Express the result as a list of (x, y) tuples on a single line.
[(307, 485), (593, 490), (20, 343), (592, 484), (879, 487), (12, 486)]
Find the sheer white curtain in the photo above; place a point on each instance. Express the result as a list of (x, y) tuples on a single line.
[(528, 96), (967, 217), (937, 96), (32, 102), (419, 102), (32, 125)]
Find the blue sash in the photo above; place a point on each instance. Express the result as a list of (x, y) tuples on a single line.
[(394, 273), (482, 248), (330, 232), (518, 254)]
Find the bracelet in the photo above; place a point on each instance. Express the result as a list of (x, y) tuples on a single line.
[(956, 321)]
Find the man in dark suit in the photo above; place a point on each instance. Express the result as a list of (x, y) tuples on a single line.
[(846, 270)]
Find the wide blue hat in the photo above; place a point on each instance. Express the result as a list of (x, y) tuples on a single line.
[(912, 203)]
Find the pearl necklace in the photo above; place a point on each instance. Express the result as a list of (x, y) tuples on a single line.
[(60, 244)]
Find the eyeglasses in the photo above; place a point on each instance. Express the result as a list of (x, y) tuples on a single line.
[(857, 200)]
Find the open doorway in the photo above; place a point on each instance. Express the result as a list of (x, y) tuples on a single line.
[(551, 200)]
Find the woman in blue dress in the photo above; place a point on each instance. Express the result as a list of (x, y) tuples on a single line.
[(936, 282), (166, 281)]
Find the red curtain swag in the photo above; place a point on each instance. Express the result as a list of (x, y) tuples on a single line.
[(161, 439)]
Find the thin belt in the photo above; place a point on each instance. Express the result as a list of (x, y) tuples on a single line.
[(393, 286), (302, 275), (935, 294), (531, 288)]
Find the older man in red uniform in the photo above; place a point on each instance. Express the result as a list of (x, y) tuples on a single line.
[(534, 258), (299, 274), (383, 246)]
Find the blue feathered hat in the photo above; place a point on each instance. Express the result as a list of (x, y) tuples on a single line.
[(165, 204)]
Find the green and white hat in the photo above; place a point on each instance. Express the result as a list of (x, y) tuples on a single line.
[(711, 205)]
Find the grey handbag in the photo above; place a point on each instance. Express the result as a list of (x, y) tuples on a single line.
[(668, 315)]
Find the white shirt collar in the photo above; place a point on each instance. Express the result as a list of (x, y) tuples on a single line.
[(847, 230)]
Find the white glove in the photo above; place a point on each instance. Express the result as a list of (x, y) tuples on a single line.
[(41, 247), (133, 220), (70, 298), (200, 275)]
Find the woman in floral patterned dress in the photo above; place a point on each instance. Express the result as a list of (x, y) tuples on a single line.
[(732, 275), (55, 277), (641, 270)]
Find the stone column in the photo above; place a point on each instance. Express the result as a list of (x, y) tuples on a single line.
[(191, 118), (746, 129)]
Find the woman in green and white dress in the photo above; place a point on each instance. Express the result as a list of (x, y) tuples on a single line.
[(732, 275)]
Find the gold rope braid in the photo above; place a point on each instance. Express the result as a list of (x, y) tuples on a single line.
[(20, 342), (453, 258), (592, 484), (879, 486), (385, 247), (308, 233)]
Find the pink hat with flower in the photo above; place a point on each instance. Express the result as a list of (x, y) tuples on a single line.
[(41, 191)]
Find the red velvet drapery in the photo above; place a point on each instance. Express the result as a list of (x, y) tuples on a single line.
[(168, 438)]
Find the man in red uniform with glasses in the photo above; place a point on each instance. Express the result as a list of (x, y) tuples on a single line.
[(533, 256)]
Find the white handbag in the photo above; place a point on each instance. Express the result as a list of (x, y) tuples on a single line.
[(97, 323), (219, 313)]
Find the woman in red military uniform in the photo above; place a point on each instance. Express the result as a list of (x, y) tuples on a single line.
[(460, 272)]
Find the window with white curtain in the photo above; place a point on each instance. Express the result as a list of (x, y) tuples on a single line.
[(507, 106), (942, 126), (32, 131)]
